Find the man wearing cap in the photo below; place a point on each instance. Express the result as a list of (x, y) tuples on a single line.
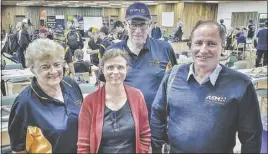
[(23, 41), (149, 58)]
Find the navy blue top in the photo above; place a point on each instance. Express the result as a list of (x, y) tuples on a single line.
[(94, 46), (262, 39), (205, 118), (40, 121), (146, 70), (118, 134), (156, 33), (103, 45), (241, 39)]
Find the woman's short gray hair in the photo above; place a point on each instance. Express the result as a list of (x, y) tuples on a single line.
[(111, 53), (41, 49)]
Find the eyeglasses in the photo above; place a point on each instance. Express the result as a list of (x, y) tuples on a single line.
[(47, 67), (114, 118), (134, 26)]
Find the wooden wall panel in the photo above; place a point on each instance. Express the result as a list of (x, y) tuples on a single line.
[(8, 15), (111, 12), (194, 12), (33, 13)]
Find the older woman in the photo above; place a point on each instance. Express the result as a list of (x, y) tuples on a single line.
[(44, 117), (207, 103), (114, 118)]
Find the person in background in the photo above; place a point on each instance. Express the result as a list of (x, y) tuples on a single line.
[(198, 110), (44, 116), (241, 39), (237, 32), (93, 50), (23, 40), (179, 34), (81, 66), (251, 30), (180, 23), (262, 46), (114, 118), (230, 39), (120, 31), (106, 42), (156, 31), (74, 39), (149, 58), (223, 26)]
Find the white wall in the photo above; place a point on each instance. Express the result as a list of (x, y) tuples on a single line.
[(225, 9)]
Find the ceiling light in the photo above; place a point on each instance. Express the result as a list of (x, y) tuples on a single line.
[(101, 2), (171, 2), (212, 1), (115, 4), (146, 1), (90, 3), (73, 1), (152, 3)]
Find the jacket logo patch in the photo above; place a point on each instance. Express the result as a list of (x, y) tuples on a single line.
[(154, 62), (216, 99), (78, 102)]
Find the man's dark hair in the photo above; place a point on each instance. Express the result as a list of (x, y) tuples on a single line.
[(221, 21), (209, 22), (105, 30), (118, 24)]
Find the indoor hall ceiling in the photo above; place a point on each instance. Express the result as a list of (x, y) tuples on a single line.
[(84, 3)]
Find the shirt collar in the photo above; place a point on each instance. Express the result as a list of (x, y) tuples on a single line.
[(212, 77), (43, 96), (145, 48)]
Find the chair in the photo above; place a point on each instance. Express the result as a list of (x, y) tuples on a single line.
[(8, 100), (232, 60), (13, 66), (87, 88)]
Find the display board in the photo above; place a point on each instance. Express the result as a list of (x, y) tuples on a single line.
[(167, 19), (92, 22)]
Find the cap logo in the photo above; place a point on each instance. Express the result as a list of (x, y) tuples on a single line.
[(137, 10)]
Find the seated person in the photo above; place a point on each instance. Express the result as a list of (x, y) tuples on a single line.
[(241, 39), (81, 66)]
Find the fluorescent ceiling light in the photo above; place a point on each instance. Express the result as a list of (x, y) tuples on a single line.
[(152, 3), (90, 3), (116, 4), (171, 2), (101, 2), (73, 1), (212, 1), (147, 1)]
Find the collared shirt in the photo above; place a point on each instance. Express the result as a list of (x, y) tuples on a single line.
[(212, 77), (146, 70), (42, 124), (205, 118)]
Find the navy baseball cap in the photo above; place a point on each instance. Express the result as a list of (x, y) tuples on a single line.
[(138, 10)]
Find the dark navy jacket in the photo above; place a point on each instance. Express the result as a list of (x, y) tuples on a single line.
[(41, 124), (205, 118)]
